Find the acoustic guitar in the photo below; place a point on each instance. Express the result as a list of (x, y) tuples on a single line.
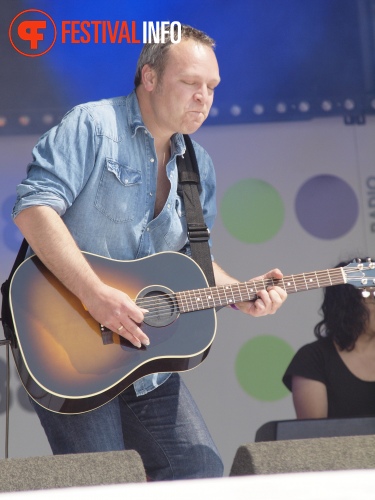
[(68, 363)]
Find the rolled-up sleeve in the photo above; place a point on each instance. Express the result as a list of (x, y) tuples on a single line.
[(61, 164)]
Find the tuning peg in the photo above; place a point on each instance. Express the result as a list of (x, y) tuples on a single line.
[(365, 294)]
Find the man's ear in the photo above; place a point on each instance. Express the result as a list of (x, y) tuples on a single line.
[(149, 78)]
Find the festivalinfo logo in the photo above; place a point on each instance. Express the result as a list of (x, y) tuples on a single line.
[(33, 32)]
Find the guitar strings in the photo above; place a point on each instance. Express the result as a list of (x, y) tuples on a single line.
[(207, 298), (291, 282), (222, 291)]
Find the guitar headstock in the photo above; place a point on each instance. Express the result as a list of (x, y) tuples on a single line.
[(361, 274)]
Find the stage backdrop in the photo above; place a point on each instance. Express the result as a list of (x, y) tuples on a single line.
[(291, 135), (299, 196)]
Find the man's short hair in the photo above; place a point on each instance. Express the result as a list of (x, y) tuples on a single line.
[(155, 54)]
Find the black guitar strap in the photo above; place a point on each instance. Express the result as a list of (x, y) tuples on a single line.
[(6, 316), (198, 232), (10, 338)]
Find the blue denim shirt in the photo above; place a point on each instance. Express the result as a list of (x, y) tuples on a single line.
[(98, 170)]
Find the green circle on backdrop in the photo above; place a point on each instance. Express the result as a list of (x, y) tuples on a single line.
[(252, 211), (260, 366)]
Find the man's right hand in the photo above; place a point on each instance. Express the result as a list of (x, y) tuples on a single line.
[(115, 310)]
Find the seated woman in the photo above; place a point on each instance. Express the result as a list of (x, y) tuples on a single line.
[(335, 375)]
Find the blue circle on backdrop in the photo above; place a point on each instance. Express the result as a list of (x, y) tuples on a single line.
[(326, 207)]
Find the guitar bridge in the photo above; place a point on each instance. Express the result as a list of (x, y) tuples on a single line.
[(107, 335)]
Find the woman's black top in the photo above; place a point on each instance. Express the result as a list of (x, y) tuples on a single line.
[(348, 396)]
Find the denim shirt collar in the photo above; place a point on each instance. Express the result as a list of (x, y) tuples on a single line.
[(135, 122), (134, 113)]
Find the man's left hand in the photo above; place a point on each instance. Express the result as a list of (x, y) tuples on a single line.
[(268, 301)]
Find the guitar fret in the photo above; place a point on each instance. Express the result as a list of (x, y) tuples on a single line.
[(312, 281), (304, 279), (189, 302), (197, 301), (245, 295), (217, 300), (251, 292), (222, 296), (236, 289), (211, 298), (228, 289), (293, 284), (288, 287), (179, 298), (208, 298), (330, 281), (317, 279), (217, 297)]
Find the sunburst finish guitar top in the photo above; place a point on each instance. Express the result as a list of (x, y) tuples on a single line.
[(65, 360)]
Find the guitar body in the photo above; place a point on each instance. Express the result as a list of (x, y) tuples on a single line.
[(69, 364), (64, 360)]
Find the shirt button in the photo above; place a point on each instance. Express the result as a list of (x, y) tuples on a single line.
[(152, 160), (150, 194), (147, 229)]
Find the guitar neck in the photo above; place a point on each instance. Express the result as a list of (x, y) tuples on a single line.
[(219, 296)]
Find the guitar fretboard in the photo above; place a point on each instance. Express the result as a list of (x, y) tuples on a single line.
[(218, 296)]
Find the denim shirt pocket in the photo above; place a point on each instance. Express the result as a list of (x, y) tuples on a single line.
[(119, 191)]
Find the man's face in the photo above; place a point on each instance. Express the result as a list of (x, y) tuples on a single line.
[(183, 97)]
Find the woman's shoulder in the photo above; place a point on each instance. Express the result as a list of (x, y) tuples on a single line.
[(323, 346), (310, 361)]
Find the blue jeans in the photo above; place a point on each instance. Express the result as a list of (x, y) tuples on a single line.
[(164, 426)]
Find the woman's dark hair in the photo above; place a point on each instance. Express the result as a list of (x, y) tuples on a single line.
[(344, 314)]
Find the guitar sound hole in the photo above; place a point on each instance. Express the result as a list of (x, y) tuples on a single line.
[(161, 304)]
